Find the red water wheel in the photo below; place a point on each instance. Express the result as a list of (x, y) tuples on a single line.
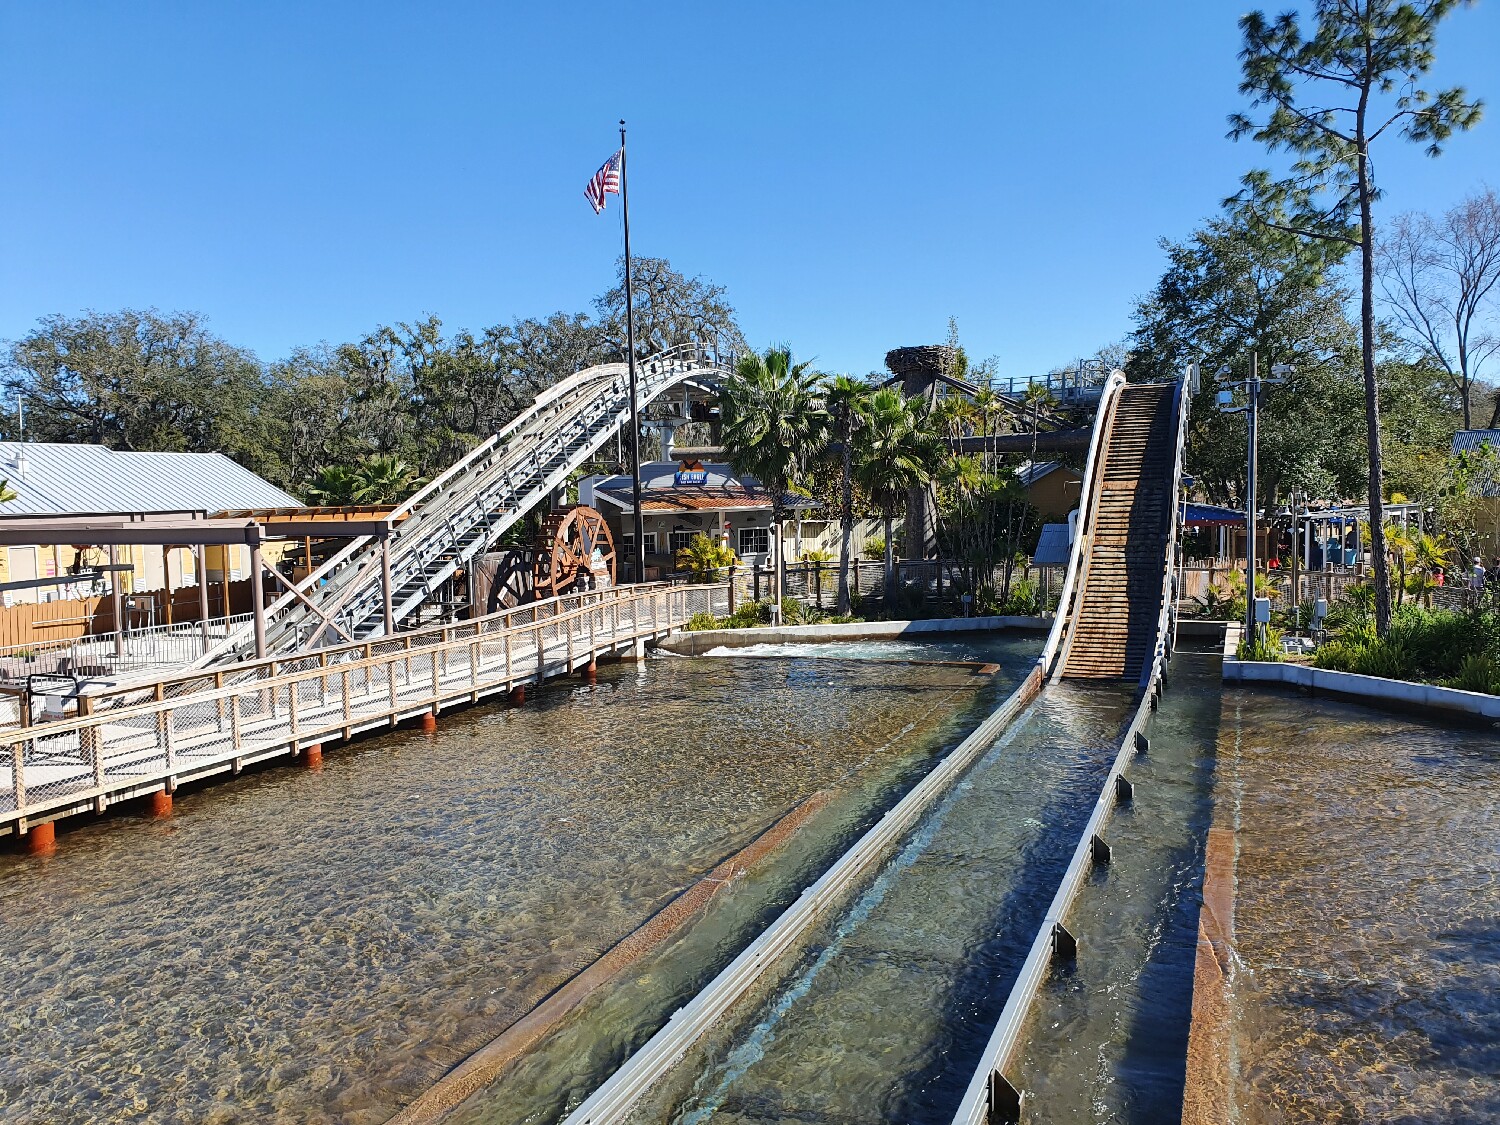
[(574, 552)]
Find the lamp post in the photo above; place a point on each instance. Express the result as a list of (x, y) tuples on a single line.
[(1252, 388)]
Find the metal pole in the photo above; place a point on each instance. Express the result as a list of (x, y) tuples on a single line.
[(635, 421), (388, 615), (257, 598), (202, 556), (1250, 458), (117, 603)]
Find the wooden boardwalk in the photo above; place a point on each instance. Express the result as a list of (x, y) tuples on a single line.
[(151, 736)]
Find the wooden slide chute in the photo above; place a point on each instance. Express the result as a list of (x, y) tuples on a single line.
[(575, 552)]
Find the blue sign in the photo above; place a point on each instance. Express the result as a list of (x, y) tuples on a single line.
[(691, 476)]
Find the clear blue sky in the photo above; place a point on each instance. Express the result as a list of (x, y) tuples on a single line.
[(855, 173)]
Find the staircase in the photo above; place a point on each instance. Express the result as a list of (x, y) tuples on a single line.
[(466, 509), (1118, 607)]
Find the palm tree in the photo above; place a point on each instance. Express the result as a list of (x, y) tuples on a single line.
[(7, 493), (896, 453), (332, 485), (774, 423), (384, 479), (844, 398)]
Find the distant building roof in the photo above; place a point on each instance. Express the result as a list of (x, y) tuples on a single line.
[(1053, 548), (1211, 515), (1467, 440), (60, 479), (676, 486), (1028, 474)]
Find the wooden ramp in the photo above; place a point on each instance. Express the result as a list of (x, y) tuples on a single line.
[(1128, 524)]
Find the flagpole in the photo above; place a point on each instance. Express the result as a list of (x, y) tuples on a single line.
[(635, 421)]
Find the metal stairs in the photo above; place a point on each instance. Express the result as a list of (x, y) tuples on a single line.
[(466, 509)]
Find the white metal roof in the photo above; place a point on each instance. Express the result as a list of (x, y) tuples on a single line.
[(59, 479)]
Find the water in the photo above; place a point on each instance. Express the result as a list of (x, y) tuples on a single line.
[(1367, 920), (1108, 1040), (972, 647), (1365, 978), (320, 947), (883, 1015)]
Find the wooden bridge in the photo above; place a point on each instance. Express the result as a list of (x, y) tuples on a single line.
[(151, 736)]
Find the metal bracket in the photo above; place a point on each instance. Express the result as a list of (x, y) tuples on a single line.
[(1142, 743), (1099, 850), (1064, 944), (1006, 1102), (1124, 791)]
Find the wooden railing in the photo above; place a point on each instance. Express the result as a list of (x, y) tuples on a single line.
[(152, 736)]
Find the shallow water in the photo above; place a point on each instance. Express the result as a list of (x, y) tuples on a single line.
[(320, 947), (1108, 1039), (960, 647), (1367, 918), (886, 1011)]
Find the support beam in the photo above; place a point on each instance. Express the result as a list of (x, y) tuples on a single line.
[(200, 555), (116, 601), (258, 600), (385, 585)]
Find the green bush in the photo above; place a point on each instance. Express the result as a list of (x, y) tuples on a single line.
[(1265, 647), (1024, 600), (700, 622), (747, 615), (1477, 673)]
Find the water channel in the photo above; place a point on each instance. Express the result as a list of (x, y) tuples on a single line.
[(321, 947)]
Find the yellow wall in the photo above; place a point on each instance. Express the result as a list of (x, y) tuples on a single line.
[(1056, 494)]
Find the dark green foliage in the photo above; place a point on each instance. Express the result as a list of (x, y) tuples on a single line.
[(1438, 646), (393, 408)]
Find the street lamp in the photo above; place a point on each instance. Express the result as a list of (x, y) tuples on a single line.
[(1252, 387)]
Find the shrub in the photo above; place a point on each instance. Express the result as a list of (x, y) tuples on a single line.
[(1024, 600), (816, 555), (705, 557), (1266, 647), (747, 615), (794, 612), (874, 548), (701, 621), (1477, 673)]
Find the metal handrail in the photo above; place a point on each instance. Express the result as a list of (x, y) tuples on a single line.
[(468, 482)]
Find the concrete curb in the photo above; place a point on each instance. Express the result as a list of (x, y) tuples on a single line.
[(1376, 691), (691, 644)]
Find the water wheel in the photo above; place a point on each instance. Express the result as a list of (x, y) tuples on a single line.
[(574, 552)]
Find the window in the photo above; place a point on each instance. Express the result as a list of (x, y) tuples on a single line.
[(650, 543), (680, 541), (755, 540)]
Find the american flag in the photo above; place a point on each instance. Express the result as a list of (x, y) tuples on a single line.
[(605, 181)]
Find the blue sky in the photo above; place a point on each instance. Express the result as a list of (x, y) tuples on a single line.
[(853, 173)]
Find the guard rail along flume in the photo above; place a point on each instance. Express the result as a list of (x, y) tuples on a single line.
[(144, 738), (466, 509), (991, 1096), (613, 1101)]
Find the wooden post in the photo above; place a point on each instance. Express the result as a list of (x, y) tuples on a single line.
[(755, 571), (818, 579), (856, 574), (731, 589)]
